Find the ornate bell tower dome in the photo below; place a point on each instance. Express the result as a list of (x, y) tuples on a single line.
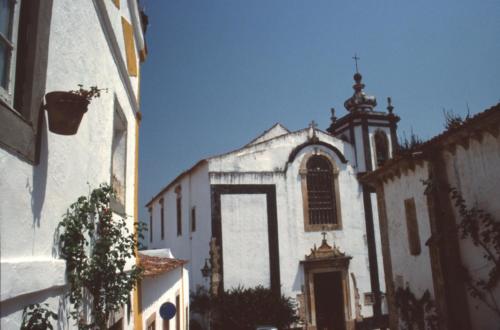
[(359, 101), (371, 132)]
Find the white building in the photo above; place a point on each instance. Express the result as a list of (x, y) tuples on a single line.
[(258, 214), (421, 246), (166, 280), (55, 45)]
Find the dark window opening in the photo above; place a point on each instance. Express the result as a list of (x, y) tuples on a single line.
[(24, 63), (162, 219), (193, 219), (381, 148), (129, 309), (150, 224), (344, 138), (179, 210), (178, 315), (320, 191), (117, 326), (24, 35), (17, 55)]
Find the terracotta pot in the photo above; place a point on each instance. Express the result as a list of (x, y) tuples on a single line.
[(65, 112)]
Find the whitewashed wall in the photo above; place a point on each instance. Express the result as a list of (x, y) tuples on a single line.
[(272, 155), (245, 240), (378, 248), (475, 173), (192, 246), (360, 147), (415, 270), (163, 288), (33, 198)]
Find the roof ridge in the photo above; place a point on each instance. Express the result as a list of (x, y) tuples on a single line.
[(267, 131)]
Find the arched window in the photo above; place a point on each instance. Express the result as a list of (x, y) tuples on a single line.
[(381, 148), (321, 207)]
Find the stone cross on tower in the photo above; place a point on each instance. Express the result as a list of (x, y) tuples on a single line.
[(356, 58)]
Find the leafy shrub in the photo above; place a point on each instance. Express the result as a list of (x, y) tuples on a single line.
[(408, 146), (245, 309), (414, 313), (484, 231), (453, 120), (200, 301), (37, 317)]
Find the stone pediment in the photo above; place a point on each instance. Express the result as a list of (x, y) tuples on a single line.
[(327, 253)]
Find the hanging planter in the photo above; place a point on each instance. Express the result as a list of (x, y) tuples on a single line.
[(66, 109), (65, 112)]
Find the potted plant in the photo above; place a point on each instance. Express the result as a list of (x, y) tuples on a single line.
[(66, 109)]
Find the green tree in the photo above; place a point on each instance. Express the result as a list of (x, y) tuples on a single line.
[(97, 246)]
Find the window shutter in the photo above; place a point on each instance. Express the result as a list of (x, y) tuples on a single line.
[(412, 226), (128, 35)]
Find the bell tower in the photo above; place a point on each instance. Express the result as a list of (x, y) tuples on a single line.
[(372, 133)]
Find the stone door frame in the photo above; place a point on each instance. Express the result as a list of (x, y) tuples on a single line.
[(336, 264)]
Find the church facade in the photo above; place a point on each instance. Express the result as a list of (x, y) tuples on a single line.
[(287, 211)]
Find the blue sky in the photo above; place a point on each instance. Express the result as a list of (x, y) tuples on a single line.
[(221, 72)]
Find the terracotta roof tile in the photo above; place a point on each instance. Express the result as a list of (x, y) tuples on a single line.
[(158, 265)]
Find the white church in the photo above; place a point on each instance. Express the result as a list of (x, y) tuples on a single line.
[(288, 212)]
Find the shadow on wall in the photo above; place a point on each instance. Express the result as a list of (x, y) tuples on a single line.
[(39, 179), (153, 288), (12, 309), (299, 279)]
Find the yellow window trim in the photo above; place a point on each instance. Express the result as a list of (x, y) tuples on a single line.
[(138, 289)]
